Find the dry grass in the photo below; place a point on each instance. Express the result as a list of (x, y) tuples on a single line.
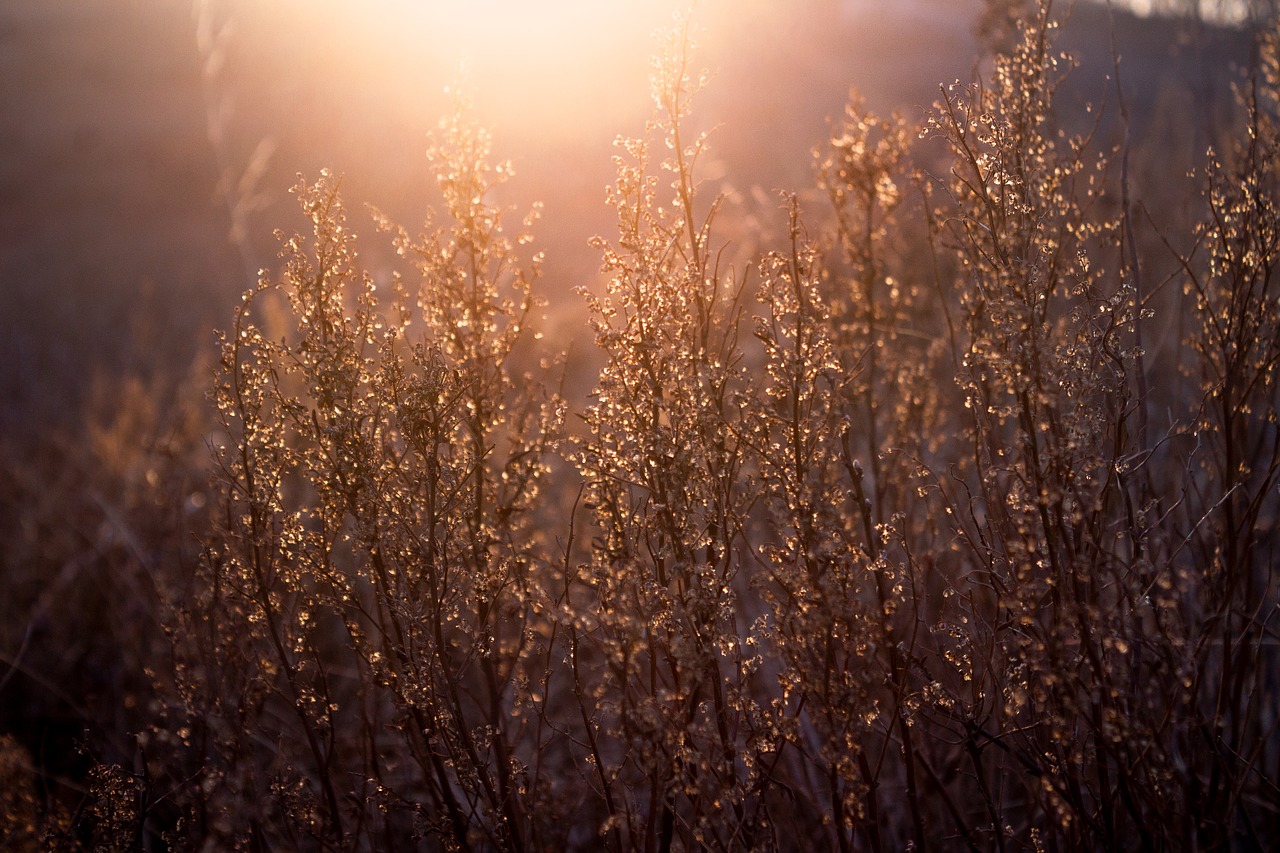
[(896, 535)]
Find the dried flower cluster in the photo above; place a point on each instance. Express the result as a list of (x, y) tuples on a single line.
[(878, 542)]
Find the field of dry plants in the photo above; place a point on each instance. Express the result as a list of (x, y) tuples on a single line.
[(931, 505)]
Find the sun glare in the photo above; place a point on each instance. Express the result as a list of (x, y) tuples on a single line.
[(546, 67)]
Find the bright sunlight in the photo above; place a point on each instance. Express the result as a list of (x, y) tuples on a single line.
[(549, 68)]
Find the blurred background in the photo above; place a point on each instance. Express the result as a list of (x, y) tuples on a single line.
[(147, 146)]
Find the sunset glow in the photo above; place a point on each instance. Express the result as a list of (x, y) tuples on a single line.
[(546, 67)]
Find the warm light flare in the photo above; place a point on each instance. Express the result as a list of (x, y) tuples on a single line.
[(546, 68)]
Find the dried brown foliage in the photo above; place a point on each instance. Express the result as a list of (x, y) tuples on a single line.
[(878, 541)]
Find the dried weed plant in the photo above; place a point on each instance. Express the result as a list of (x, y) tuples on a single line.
[(874, 543)]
